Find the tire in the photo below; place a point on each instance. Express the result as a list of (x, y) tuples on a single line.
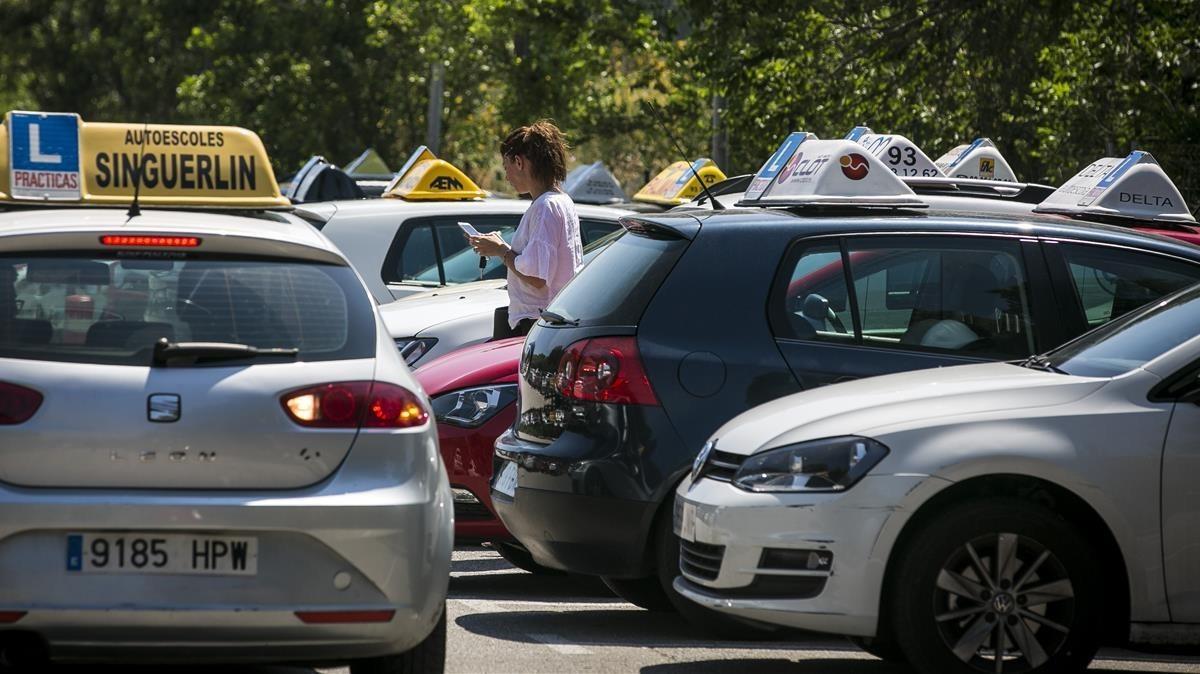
[(884, 649), (949, 568), (427, 657), (519, 557), (644, 593)]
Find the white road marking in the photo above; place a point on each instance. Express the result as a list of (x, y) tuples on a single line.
[(560, 645)]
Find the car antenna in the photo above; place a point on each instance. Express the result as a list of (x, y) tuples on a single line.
[(716, 205), (134, 209)]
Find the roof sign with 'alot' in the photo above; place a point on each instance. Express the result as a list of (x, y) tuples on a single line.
[(59, 157), (834, 173), (1129, 187), (424, 177), (677, 183)]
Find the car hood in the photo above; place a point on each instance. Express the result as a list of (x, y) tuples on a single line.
[(893, 402), (477, 365), (410, 316)]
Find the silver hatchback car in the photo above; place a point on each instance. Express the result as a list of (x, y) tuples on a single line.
[(210, 449)]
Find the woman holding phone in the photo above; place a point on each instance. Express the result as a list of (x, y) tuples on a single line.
[(546, 250)]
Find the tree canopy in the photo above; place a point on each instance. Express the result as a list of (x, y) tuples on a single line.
[(1054, 84)]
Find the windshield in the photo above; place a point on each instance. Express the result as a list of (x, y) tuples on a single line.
[(1133, 340), (463, 266), (101, 308)]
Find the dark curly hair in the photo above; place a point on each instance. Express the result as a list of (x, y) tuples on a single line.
[(544, 146)]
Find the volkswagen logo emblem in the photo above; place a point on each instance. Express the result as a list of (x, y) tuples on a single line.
[(1003, 604)]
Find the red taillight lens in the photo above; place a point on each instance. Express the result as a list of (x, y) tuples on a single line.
[(354, 404), (17, 403), (605, 370)]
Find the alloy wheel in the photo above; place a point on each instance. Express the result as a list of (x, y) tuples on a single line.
[(1003, 603)]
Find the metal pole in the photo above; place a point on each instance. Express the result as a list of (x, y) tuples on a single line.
[(720, 137), (433, 129)]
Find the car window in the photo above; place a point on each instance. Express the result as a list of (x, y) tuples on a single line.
[(1111, 282), (102, 309), (591, 230), (418, 256), (918, 293)]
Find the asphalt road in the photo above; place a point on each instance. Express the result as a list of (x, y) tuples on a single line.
[(505, 620)]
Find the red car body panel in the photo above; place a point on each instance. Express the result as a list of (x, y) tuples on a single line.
[(467, 452)]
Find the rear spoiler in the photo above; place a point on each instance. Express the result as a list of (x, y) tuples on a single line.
[(679, 227)]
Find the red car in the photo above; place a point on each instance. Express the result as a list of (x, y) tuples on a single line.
[(474, 390)]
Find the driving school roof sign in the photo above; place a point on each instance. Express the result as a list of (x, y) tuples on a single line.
[(898, 153), (59, 157), (44, 156), (677, 184), (424, 177), (980, 159), (1133, 187), (835, 173)]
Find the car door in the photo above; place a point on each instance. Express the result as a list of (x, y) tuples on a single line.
[(1181, 499), (858, 306), (1095, 283), (432, 252)]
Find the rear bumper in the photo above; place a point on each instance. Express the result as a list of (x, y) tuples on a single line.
[(376, 536), (587, 504)]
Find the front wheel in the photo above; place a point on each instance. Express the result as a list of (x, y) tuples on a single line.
[(427, 657), (997, 586)]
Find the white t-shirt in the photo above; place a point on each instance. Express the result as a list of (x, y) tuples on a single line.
[(548, 247)]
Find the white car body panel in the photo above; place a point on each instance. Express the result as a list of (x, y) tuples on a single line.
[(1099, 438)]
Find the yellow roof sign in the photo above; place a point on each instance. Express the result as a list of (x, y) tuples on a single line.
[(677, 183), (427, 178), (58, 157)]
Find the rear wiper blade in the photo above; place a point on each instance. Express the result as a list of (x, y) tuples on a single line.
[(166, 351), (1040, 362), (558, 319)]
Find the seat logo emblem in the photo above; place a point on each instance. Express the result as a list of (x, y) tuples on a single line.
[(164, 407)]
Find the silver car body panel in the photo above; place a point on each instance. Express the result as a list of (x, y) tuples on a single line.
[(361, 527), (456, 316)]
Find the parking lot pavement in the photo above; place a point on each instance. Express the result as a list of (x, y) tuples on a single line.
[(502, 619)]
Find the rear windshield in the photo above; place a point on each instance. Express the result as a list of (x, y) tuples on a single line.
[(614, 288), (102, 308)]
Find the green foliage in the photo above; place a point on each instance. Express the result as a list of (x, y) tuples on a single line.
[(1056, 84)]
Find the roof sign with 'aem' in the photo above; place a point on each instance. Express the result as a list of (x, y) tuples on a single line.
[(898, 153), (1130, 187), (424, 177), (44, 156), (980, 160), (835, 173), (775, 162)]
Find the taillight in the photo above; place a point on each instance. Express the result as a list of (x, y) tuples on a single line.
[(17, 403), (605, 370), (151, 241), (355, 404)]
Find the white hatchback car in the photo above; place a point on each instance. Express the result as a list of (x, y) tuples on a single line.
[(1006, 517), (212, 450)]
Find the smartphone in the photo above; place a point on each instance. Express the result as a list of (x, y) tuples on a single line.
[(469, 229)]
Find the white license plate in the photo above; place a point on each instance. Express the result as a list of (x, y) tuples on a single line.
[(134, 552), (687, 522), (507, 482)]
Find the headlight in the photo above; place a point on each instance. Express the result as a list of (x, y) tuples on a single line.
[(832, 464), (412, 349), (472, 407)]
